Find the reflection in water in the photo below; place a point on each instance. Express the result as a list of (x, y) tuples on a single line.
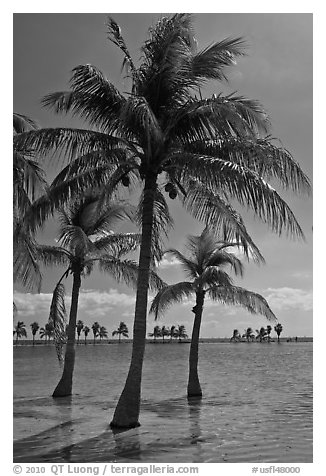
[(194, 407), (127, 444)]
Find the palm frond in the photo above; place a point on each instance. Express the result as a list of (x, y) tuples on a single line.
[(210, 63), (261, 156), (53, 255), (22, 123), (114, 35), (169, 295), (25, 263), (234, 295), (66, 143), (221, 257), (189, 266), (57, 318), (210, 207), (117, 244), (247, 187), (127, 271), (211, 276)]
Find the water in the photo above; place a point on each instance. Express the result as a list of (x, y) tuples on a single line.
[(257, 405)]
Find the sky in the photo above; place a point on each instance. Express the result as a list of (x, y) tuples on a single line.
[(277, 71)]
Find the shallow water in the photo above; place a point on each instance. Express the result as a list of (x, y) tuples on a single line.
[(257, 405)]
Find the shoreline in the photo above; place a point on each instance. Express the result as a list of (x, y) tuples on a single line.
[(208, 340)]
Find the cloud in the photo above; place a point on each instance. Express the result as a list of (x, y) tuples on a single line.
[(167, 263), (289, 298), (92, 303)]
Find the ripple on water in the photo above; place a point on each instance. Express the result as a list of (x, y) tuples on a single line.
[(257, 406)]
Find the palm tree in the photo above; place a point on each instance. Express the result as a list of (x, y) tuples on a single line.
[(278, 329), (204, 266), (166, 137), (268, 331), (79, 328), (35, 327), (236, 336), (261, 334), (20, 330), (181, 333), (85, 239), (103, 333), (164, 332), (249, 334), (96, 330), (43, 333), (121, 331), (156, 333), (86, 331), (172, 333)]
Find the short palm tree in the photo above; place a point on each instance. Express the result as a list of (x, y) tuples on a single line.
[(261, 334), (103, 333), (79, 328), (96, 330), (172, 333), (181, 333), (268, 332), (85, 239), (121, 331), (236, 337), (86, 330), (278, 329), (156, 333), (20, 330), (47, 332), (249, 334), (164, 332), (35, 327), (165, 137), (204, 264)]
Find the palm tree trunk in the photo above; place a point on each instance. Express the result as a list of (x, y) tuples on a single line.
[(126, 414), (64, 387), (33, 339), (194, 389), (119, 338)]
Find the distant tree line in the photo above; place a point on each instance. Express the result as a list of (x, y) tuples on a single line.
[(262, 335), (47, 332)]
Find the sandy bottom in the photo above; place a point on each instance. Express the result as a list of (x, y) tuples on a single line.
[(257, 407)]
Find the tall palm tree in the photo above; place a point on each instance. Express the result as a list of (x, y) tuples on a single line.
[(278, 329), (103, 333), (121, 331), (35, 327), (156, 333), (204, 265), (166, 137), (85, 239), (96, 330), (86, 330), (20, 330), (79, 328)]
